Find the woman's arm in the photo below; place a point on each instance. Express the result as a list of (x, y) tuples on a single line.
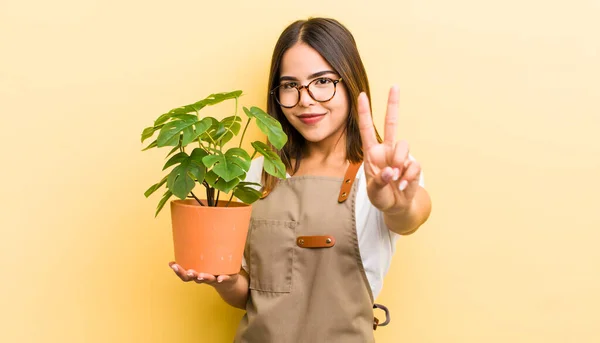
[(235, 293), (408, 220), (233, 289)]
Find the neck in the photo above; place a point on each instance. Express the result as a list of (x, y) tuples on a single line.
[(331, 149)]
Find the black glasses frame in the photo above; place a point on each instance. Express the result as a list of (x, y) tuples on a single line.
[(299, 88)]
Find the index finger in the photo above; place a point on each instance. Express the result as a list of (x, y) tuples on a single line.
[(365, 123)]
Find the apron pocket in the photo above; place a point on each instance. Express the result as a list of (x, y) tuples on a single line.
[(271, 252)]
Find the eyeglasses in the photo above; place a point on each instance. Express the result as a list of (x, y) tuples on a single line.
[(321, 89)]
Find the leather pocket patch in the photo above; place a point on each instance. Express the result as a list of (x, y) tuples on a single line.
[(313, 242)]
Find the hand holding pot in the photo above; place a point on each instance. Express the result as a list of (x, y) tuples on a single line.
[(192, 275)]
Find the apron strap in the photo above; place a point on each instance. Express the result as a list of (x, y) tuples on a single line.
[(387, 316), (348, 181)]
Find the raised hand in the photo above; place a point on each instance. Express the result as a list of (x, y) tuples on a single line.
[(392, 177)]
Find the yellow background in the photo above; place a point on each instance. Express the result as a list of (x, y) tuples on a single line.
[(499, 103)]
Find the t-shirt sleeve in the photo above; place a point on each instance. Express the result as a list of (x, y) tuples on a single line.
[(254, 174), (245, 265)]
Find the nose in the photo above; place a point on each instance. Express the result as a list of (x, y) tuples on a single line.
[(305, 98)]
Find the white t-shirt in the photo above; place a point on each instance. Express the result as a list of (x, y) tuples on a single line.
[(376, 242)]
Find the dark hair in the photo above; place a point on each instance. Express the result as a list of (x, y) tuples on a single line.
[(337, 46)]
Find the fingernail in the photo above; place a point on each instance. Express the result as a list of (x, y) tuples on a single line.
[(387, 175), (190, 274), (403, 185), (200, 278), (175, 268), (219, 280), (396, 174)]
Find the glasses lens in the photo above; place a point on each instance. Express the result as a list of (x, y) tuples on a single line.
[(287, 94), (322, 89)]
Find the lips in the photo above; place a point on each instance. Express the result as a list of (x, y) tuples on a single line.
[(310, 118)]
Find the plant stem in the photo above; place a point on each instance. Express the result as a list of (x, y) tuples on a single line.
[(231, 197), (244, 133), (198, 200), (205, 184), (217, 202), (254, 154)]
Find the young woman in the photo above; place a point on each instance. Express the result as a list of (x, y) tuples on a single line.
[(321, 240)]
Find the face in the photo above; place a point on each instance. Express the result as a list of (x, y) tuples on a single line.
[(317, 122)]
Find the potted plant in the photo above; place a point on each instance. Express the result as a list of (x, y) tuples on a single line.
[(209, 234)]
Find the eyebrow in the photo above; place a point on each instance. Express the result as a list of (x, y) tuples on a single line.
[(311, 76)]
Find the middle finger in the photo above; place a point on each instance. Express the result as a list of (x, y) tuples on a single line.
[(391, 117)]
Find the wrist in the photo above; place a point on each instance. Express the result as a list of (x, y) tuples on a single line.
[(226, 286), (399, 211)]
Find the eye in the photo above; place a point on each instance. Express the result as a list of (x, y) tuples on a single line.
[(323, 81), (289, 85)]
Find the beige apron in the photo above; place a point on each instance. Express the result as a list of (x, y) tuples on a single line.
[(307, 281)]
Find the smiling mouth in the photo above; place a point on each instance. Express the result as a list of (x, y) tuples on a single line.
[(310, 115), (310, 118)]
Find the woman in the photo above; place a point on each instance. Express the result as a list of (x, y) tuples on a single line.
[(321, 241)]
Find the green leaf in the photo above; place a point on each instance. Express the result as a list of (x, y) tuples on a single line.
[(170, 132), (216, 98), (173, 150), (211, 178), (163, 118), (183, 110), (210, 134), (212, 99), (180, 157), (197, 168), (180, 182), (239, 157), (197, 130), (216, 182), (162, 202), (172, 113), (272, 164), (226, 186), (226, 167), (227, 129), (149, 131), (155, 186), (152, 145), (246, 193), (269, 126)]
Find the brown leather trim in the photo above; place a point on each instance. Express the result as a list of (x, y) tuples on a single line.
[(375, 323), (264, 194), (315, 241), (348, 181)]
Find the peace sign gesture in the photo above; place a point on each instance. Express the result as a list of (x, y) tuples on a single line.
[(392, 177)]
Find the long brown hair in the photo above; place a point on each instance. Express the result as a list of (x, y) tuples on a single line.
[(337, 46)]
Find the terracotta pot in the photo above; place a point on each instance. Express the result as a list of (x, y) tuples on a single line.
[(210, 239)]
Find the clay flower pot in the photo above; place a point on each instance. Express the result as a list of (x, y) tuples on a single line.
[(210, 239)]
